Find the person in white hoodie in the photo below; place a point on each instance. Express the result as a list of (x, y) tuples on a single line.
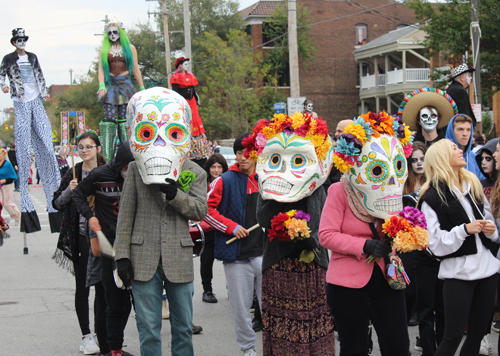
[(461, 232)]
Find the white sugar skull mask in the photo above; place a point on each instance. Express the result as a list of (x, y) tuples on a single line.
[(160, 133), (380, 177), (289, 170), (113, 34)]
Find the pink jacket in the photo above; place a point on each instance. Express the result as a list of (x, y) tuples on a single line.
[(344, 234)]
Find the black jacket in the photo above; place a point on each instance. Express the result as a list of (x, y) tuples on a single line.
[(10, 68), (106, 184), (459, 94)]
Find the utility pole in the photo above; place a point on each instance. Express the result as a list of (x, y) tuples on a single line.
[(71, 76), (476, 35), (293, 49), (106, 21), (166, 36), (187, 30)]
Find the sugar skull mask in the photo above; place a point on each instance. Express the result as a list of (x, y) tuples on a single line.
[(372, 153), (379, 180), (290, 166), (160, 134)]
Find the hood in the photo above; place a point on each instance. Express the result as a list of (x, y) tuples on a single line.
[(490, 147), (450, 134), (122, 158)]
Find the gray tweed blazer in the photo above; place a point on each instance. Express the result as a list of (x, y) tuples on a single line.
[(150, 228)]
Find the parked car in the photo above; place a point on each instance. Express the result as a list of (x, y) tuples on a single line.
[(229, 155)]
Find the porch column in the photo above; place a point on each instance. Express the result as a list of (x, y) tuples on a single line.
[(377, 104), (375, 63), (388, 98), (404, 67), (362, 106)]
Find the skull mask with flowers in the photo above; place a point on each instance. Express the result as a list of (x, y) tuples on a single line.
[(372, 153), (160, 133), (293, 154)]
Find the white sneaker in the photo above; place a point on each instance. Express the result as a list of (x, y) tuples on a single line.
[(250, 352), (88, 345), (486, 348)]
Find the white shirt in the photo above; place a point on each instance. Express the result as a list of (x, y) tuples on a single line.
[(30, 85), (442, 242)]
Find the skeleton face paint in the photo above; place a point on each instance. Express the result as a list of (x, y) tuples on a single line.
[(289, 170), (428, 119), (468, 77), (21, 43), (417, 162), (160, 133), (379, 178), (113, 34), (185, 65), (309, 107)]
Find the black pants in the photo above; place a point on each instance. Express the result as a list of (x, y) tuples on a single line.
[(466, 303), (118, 305), (100, 318), (82, 292), (207, 264), (429, 303), (411, 289), (353, 308)]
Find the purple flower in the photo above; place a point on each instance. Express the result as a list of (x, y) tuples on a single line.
[(299, 214), (414, 216)]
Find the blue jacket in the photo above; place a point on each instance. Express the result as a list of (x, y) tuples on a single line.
[(470, 157)]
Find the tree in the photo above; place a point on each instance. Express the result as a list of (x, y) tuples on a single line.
[(233, 97), (448, 29), (277, 25), (83, 97)]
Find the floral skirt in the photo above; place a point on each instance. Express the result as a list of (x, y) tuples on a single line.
[(200, 148), (295, 315)]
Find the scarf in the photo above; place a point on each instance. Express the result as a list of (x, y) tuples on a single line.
[(356, 207)]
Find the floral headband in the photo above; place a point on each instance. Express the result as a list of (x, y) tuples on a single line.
[(362, 129), (301, 124)]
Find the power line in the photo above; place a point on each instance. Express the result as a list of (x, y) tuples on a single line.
[(54, 28), (286, 33)]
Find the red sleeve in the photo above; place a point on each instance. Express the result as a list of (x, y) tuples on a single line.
[(214, 218), (176, 78)]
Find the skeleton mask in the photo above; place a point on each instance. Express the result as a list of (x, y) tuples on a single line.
[(113, 34), (160, 133), (428, 119), (289, 170), (185, 65), (309, 107), (21, 43), (379, 180)]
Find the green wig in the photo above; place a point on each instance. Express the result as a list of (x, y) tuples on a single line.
[(127, 52)]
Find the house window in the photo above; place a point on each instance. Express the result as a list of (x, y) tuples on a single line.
[(361, 34)]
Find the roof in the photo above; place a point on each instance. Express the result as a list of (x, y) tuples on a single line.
[(388, 38), (261, 8)]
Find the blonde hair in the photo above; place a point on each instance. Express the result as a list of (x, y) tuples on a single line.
[(438, 168)]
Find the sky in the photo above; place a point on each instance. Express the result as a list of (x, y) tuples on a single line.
[(62, 32)]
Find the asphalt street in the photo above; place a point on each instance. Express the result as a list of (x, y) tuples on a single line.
[(37, 314)]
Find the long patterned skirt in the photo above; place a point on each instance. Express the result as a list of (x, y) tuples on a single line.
[(295, 315)]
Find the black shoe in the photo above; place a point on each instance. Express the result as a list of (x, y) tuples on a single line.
[(496, 326), (197, 329), (257, 325), (413, 321), (209, 297)]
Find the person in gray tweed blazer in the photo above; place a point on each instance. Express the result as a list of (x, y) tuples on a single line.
[(154, 249)]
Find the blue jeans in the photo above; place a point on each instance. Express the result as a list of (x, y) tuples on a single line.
[(148, 300)]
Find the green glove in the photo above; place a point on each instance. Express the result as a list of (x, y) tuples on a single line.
[(102, 86)]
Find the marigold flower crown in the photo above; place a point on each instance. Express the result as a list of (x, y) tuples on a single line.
[(301, 124), (361, 130)]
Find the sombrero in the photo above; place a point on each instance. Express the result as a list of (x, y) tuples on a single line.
[(437, 98)]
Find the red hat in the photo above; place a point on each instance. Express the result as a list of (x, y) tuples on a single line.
[(179, 61)]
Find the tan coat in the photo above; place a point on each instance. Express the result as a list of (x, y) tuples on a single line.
[(150, 227)]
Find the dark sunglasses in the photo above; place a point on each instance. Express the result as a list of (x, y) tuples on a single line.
[(113, 32), (488, 159)]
